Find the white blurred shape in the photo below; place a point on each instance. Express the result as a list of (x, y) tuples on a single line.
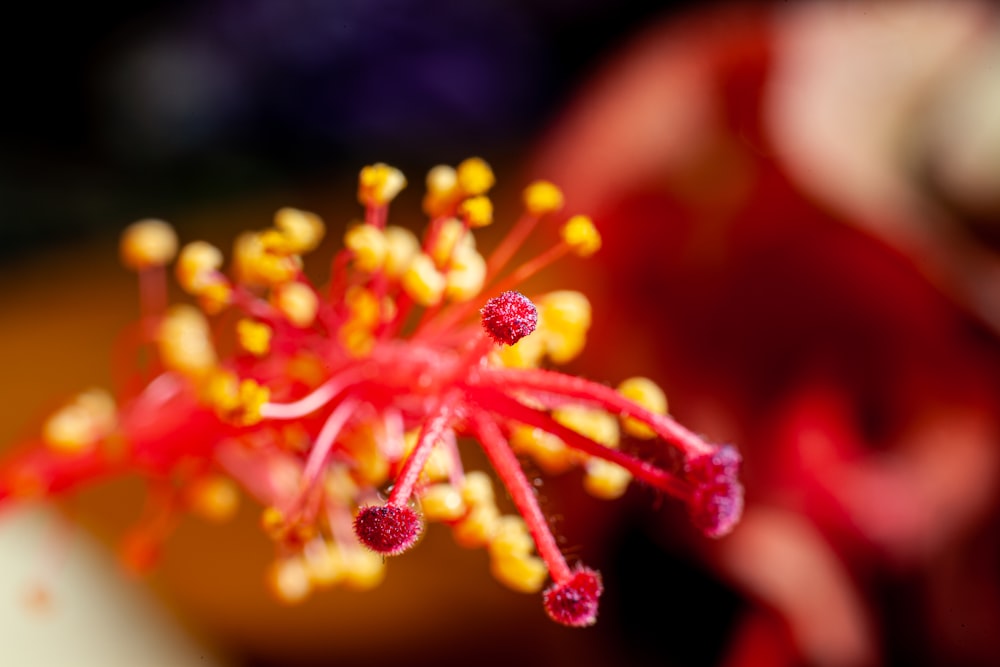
[(66, 602)]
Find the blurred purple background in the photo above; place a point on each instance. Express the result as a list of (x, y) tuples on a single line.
[(112, 111)]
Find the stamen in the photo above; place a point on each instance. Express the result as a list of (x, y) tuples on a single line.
[(384, 394), (522, 493), (576, 387), (148, 243)]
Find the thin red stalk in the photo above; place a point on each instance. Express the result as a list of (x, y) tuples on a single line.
[(510, 245), (523, 272), (404, 305), (504, 461), (377, 215), (254, 306), (129, 376), (326, 439), (316, 399), (36, 470), (434, 232), (338, 275), (504, 406), (530, 268), (152, 293), (430, 433), (577, 387), (160, 518)]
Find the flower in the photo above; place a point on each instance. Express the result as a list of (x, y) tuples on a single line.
[(340, 408), (823, 301)]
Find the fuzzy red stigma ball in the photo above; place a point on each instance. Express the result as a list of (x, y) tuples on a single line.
[(509, 317), (716, 503), (574, 602), (387, 529)]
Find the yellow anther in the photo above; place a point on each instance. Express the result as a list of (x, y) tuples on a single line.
[(197, 262), (442, 502), (357, 340), (272, 522), (302, 230), (605, 480), (549, 452), (184, 341), (369, 245), (222, 391), (297, 302), (255, 265), (100, 406), (466, 275), (363, 569), (478, 211), (410, 440), (370, 467), (525, 353), (78, 426), (378, 184), (254, 337), (448, 236), (214, 498), (148, 243), (423, 282), (402, 246), (288, 579), (306, 367), (521, 573), (442, 179), (215, 294), (438, 466), (542, 197), (198, 273), (580, 234), (442, 191), (238, 402), (477, 528), (363, 306), (324, 563), (564, 317), (511, 538), (475, 177), (252, 397), (648, 394), (599, 426), (274, 242), (477, 489)]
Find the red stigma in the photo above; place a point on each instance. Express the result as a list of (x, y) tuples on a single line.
[(509, 317), (716, 504), (574, 602), (387, 529)]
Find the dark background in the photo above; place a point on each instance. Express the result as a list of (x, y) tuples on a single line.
[(112, 113)]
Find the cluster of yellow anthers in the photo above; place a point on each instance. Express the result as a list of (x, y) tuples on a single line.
[(340, 409)]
